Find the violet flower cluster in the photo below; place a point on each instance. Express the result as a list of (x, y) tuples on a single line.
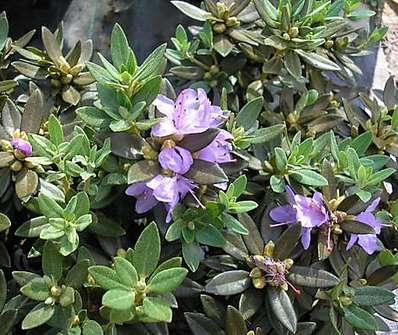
[(312, 213), (191, 113)]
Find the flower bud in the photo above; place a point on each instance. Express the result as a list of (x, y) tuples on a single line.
[(288, 263), (219, 28), (286, 36), (191, 225), (346, 301), (269, 249), (75, 320), (232, 22), (294, 32), (256, 273), (214, 69), (56, 291), (16, 166), (329, 44), (259, 283), (23, 146), (121, 253), (67, 79)]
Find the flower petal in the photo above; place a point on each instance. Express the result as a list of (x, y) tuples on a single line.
[(283, 214)]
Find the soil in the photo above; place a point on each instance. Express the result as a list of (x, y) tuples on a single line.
[(390, 44)]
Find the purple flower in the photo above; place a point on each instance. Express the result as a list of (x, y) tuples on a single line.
[(170, 190), (177, 159), (310, 212), (191, 113), (144, 195), (219, 150), (368, 242), (22, 145)]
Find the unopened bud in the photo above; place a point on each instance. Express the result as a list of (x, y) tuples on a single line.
[(329, 44), (346, 301), (67, 79), (269, 249), (232, 22), (214, 69), (219, 28), (16, 166), (294, 32), (259, 283), (288, 263), (256, 273), (121, 253), (56, 291)]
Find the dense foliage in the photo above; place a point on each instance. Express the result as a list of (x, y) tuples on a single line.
[(258, 199)]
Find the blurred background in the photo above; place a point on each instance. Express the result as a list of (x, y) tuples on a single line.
[(147, 23)]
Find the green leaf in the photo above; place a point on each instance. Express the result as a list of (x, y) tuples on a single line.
[(7, 321), (234, 322), (379, 176), (33, 227), (242, 206), (153, 65), (361, 143), (311, 277), (192, 11), (118, 299), (100, 74), (49, 207), (33, 113), (26, 184), (248, 115), (202, 325), (359, 318), (91, 327), (5, 222), (93, 117), (229, 283), (157, 309), (282, 308), (119, 47), (167, 280), (239, 185), (3, 289), (233, 224), (206, 173), (372, 295), (287, 241), (52, 261), (193, 255), (36, 289), (357, 227), (3, 30), (77, 275), (317, 61), (38, 316), (196, 142), (142, 171), (147, 251), (309, 177), (126, 272), (148, 92), (222, 45), (293, 64), (52, 46), (211, 236), (264, 135), (106, 278), (55, 130)]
